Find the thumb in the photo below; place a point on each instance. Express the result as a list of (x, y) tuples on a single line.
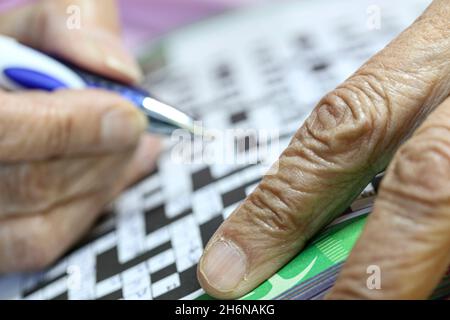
[(84, 32), (37, 125)]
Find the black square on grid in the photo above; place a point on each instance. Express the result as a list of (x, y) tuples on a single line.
[(201, 178), (155, 219), (233, 196), (238, 117), (208, 228)]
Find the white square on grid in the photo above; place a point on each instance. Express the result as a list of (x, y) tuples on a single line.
[(105, 242), (161, 260), (55, 288), (157, 238), (206, 203), (107, 286), (165, 285), (138, 271), (143, 293), (138, 285), (177, 205)]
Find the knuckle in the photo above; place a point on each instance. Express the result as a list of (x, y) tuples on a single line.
[(421, 171), (348, 125)]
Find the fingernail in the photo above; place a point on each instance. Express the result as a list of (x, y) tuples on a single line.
[(121, 128), (125, 67), (224, 266), (106, 49)]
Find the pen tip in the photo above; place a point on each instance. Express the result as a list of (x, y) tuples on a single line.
[(197, 130)]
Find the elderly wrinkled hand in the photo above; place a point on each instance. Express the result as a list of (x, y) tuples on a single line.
[(65, 155), (350, 136)]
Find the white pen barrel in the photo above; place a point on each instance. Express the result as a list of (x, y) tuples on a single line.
[(14, 56)]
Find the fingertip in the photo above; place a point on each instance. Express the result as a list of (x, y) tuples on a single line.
[(122, 65), (119, 127), (95, 121), (92, 43), (223, 269), (98, 51)]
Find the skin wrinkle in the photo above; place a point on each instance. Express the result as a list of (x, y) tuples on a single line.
[(410, 190), (419, 115), (437, 132), (393, 193), (380, 120), (60, 141), (391, 201), (277, 242), (310, 123), (273, 240), (286, 197), (297, 207), (439, 91), (425, 146), (298, 150), (35, 248), (439, 30), (370, 99), (329, 153), (328, 179), (265, 244), (279, 221), (285, 178), (332, 208), (262, 224), (340, 99), (304, 141), (296, 180), (247, 233), (41, 184)]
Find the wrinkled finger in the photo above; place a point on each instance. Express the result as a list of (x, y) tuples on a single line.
[(34, 242), (407, 237), (349, 137), (31, 187), (37, 126)]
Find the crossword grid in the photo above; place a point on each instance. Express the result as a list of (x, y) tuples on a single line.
[(159, 228)]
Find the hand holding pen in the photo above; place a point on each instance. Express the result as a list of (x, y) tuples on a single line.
[(65, 154)]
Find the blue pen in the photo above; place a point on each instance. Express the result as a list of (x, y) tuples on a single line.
[(24, 68)]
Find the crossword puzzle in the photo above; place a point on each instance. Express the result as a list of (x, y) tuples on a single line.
[(149, 246)]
